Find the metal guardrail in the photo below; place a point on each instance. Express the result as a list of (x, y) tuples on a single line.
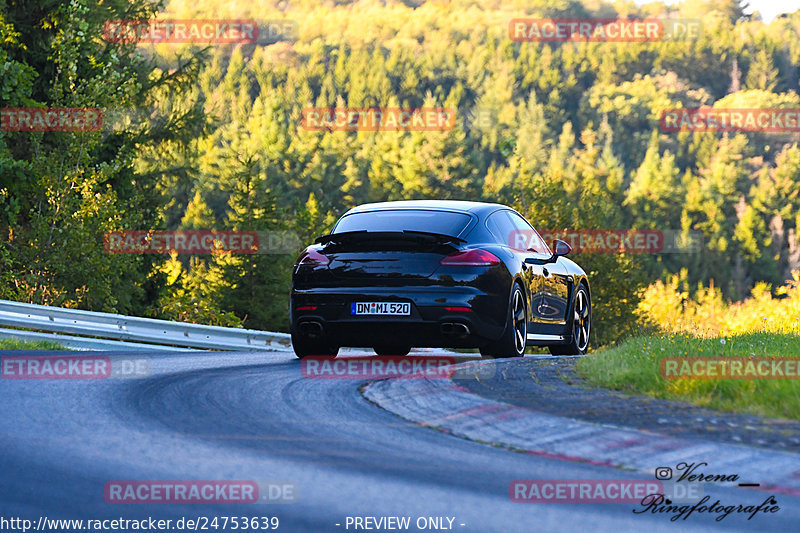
[(135, 329), (86, 343)]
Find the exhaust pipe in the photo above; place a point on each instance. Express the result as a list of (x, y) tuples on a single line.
[(311, 328), (456, 329)]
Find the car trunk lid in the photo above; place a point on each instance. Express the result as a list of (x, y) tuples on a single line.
[(396, 255)]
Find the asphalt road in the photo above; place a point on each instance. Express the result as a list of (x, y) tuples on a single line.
[(253, 416)]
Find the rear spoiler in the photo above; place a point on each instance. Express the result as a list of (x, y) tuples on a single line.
[(377, 235)]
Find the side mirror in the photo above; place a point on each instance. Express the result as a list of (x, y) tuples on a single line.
[(560, 248)]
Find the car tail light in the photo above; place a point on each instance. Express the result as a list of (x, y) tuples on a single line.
[(306, 308), (312, 257), (476, 257), (458, 309)]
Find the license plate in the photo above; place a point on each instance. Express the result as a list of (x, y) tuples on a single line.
[(380, 308)]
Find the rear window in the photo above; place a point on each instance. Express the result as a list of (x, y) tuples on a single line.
[(444, 222)]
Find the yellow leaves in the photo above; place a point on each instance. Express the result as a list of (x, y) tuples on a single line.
[(706, 314), (172, 268)]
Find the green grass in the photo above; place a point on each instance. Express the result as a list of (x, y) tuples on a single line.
[(12, 344), (633, 368)]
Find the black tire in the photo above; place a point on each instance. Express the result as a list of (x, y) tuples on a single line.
[(514, 339), (391, 350), (304, 347), (581, 325)]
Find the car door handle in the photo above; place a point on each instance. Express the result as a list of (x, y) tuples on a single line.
[(534, 261)]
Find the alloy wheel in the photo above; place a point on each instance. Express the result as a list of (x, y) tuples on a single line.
[(582, 320), (520, 322)]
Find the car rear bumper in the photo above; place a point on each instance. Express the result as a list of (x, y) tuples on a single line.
[(429, 324)]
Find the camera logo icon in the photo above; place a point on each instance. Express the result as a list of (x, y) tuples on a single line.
[(663, 473)]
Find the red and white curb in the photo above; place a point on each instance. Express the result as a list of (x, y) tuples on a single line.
[(443, 405)]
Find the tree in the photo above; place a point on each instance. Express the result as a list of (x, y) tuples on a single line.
[(63, 191), (571, 194), (655, 192), (762, 74)]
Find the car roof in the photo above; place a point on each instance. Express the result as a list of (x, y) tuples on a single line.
[(478, 208)]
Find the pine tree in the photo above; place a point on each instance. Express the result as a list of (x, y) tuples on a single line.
[(762, 73), (655, 193)]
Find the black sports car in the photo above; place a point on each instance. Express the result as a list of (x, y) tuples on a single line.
[(397, 275)]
